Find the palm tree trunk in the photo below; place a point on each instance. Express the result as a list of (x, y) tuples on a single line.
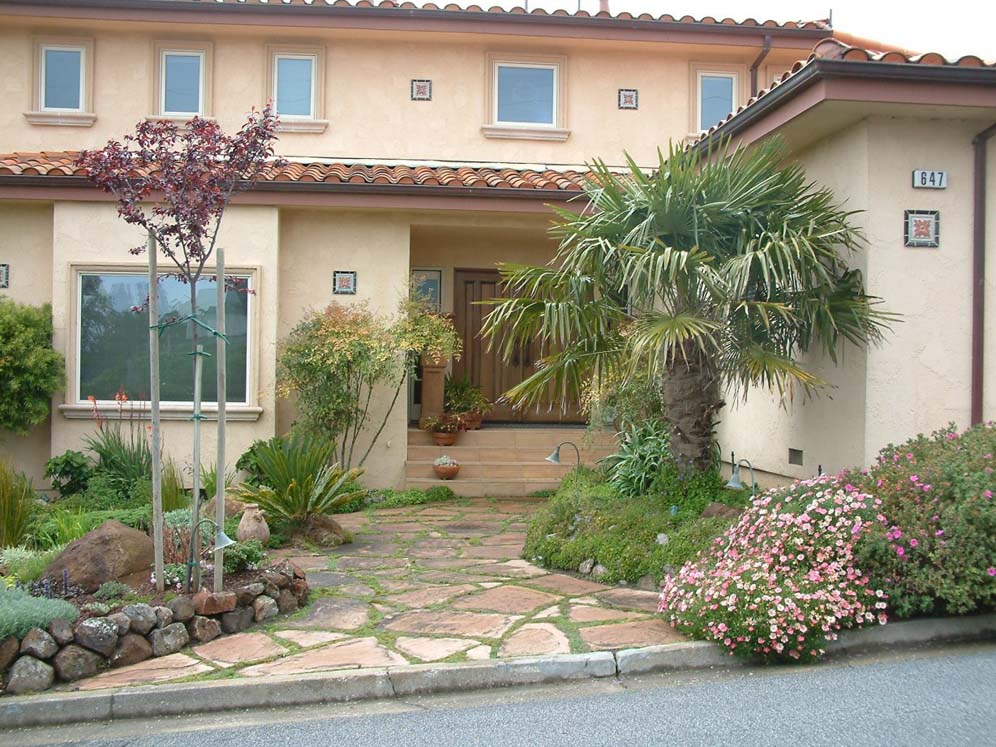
[(691, 401)]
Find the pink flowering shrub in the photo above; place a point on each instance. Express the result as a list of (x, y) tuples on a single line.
[(782, 581), (933, 543)]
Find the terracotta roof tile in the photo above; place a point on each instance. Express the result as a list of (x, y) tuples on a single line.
[(479, 177)]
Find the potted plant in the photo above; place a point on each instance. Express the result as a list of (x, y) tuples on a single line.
[(443, 429), (466, 400), (446, 467)]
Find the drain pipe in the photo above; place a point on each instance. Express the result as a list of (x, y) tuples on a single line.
[(979, 142), (757, 62)]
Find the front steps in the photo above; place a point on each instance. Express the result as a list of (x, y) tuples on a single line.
[(504, 460)]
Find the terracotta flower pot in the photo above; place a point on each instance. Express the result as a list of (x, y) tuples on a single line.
[(446, 471), (444, 439), (472, 420)]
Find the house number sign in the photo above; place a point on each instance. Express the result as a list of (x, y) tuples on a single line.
[(927, 179)]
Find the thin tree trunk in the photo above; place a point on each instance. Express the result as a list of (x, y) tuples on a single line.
[(691, 402), (194, 574), (219, 499), (157, 459)]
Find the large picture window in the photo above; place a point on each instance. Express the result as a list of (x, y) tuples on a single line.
[(113, 349)]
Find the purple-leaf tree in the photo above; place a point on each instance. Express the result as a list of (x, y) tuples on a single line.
[(176, 181)]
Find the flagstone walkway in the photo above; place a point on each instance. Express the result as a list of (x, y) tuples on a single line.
[(432, 583)]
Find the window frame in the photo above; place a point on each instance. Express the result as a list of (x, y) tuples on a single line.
[(737, 73), (496, 103), (42, 115), (43, 105), (205, 50), (163, 55), (276, 83), (495, 128), (77, 400), (316, 123)]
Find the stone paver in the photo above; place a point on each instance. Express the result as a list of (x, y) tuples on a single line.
[(337, 613), (161, 669), (470, 624), (511, 599), (433, 649), (430, 596), (239, 648), (564, 584), (356, 652), (583, 613), (308, 638), (535, 639), (627, 635), (633, 599)]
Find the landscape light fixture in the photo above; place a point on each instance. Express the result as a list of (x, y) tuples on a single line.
[(554, 457), (221, 541), (735, 482)]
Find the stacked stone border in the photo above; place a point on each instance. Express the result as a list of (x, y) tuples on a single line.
[(402, 681), (67, 653)]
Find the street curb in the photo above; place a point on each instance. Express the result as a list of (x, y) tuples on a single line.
[(152, 701)]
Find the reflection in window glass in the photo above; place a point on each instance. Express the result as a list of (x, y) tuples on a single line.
[(63, 74), (181, 83), (526, 94), (114, 339), (715, 99), (294, 76)]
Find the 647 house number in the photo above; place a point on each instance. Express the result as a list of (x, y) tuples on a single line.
[(927, 179)]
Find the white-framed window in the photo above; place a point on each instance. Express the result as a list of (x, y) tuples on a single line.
[(62, 78), (294, 85), (716, 97), (112, 336), (181, 82), (525, 94)]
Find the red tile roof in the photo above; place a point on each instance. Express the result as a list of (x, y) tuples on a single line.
[(477, 177)]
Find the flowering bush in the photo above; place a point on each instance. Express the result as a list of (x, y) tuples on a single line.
[(933, 544), (782, 581)]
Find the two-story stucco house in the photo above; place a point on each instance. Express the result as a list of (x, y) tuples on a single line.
[(428, 142)]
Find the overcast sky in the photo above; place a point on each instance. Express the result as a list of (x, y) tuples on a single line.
[(951, 27)]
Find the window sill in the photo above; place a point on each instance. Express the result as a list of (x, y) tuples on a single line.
[(515, 132), (61, 119), (303, 125), (140, 411)]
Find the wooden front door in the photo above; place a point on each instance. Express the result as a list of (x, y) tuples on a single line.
[(482, 363)]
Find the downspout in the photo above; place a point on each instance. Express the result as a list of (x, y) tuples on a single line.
[(979, 142), (757, 62)]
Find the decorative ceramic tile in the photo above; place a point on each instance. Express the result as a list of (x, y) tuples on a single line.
[(344, 282), (4, 276), (421, 90), (629, 98), (922, 228)]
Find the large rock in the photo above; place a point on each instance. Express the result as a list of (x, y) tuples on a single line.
[(61, 631), (264, 608), (131, 649), (252, 526), (39, 644), (9, 648), (110, 552), (715, 509), (238, 620), (203, 629), (98, 634), (121, 620), (142, 616), (246, 594), (233, 507), (324, 531), (286, 602), (29, 675), (75, 662), (182, 608), (214, 603), (169, 640), (164, 616)]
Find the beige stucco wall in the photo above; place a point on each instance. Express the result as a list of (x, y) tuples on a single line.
[(376, 245), (25, 245), (367, 90)]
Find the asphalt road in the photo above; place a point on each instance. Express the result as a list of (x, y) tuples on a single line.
[(931, 697)]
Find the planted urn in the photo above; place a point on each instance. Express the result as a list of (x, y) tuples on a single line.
[(446, 467)]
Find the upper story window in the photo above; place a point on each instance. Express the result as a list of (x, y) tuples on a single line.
[(63, 81), (715, 92), (526, 97), (183, 79), (295, 84)]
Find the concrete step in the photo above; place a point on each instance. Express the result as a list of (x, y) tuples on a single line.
[(467, 454), (495, 470), (530, 438), (475, 487)]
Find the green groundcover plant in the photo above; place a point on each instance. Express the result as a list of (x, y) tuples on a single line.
[(20, 612)]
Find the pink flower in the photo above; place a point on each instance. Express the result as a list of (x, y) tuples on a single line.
[(900, 551), (991, 571), (914, 543)]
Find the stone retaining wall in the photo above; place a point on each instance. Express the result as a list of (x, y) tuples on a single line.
[(137, 632)]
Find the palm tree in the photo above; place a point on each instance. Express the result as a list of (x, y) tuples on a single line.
[(716, 272)]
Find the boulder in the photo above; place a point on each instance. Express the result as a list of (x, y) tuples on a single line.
[(169, 640), (245, 594), (39, 644), (29, 675), (143, 617), (233, 507), (75, 662), (203, 629), (252, 526), (586, 566), (299, 587), (122, 621), (264, 608), (131, 649), (276, 578), (714, 509), (61, 631), (237, 620), (164, 616), (9, 648), (214, 603), (108, 553), (182, 608), (323, 531), (599, 571), (286, 602), (98, 634)]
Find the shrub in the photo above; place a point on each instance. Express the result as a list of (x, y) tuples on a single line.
[(644, 451), (249, 462), (400, 498), (209, 480), (30, 370), (298, 480), (63, 525), (20, 612), (17, 505), (123, 455), (26, 565), (174, 495), (243, 556), (933, 545), (783, 580), (69, 472), (461, 395), (112, 590), (101, 494)]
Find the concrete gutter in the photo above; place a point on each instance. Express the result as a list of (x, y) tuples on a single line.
[(153, 701)]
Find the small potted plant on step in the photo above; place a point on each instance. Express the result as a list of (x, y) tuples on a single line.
[(446, 467), (467, 400), (444, 429)]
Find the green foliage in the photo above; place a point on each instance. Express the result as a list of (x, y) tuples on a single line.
[(298, 480), (174, 494), (112, 590), (644, 452), (69, 472), (587, 519), (209, 480), (123, 455), (401, 498), (30, 370), (60, 526), (26, 565), (174, 574), (461, 395), (244, 556), (101, 494), (623, 400), (249, 462), (20, 612), (933, 546), (17, 505)]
